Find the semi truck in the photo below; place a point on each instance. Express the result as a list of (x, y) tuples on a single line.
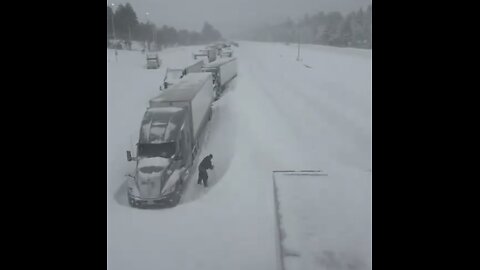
[(169, 141), (210, 53), (223, 71), (153, 62), (226, 53), (173, 75)]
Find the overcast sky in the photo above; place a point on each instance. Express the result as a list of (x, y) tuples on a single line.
[(232, 16)]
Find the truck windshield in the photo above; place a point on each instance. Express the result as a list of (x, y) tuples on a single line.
[(165, 150)]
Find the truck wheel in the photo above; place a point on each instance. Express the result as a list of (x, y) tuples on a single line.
[(175, 199), (131, 203), (177, 195)]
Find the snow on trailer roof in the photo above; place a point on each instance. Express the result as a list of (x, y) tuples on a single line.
[(165, 109), (192, 64), (219, 62), (185, 89), (161, 125)]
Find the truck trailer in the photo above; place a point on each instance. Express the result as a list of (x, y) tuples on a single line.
[(210, 53), (223, 71), (173, 75), (169, 141), (226, 53)]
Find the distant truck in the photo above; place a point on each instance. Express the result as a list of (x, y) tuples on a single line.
[(223, 71), (222, 45), (169, 141), (153, 62), (226, 53), (210, 53), (173, 75), (216, 48)]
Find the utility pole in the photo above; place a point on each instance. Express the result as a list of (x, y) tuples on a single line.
[(153, 31), (129, 38), (153, 35), (113, 30), (113, 22), (298, 54)]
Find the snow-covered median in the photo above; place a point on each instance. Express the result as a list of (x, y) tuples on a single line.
[(324, 221)]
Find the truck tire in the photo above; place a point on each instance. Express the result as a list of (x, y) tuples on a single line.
[(132, 203), (176, 196)]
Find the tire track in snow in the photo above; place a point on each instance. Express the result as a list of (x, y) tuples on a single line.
[(277, 142), (312, 119)]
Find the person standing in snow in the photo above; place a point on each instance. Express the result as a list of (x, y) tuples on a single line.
[(202, 170)]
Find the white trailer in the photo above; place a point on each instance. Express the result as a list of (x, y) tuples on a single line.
[(196, 67), (210, 53), (194, 91), (223, 71), (173, 75), (226, 53), (169, 141)]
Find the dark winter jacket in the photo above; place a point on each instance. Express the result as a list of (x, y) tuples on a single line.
[(206, 164)]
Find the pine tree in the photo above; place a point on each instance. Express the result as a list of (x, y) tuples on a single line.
[(109, 22), (318, 24), (358, 39), (346, 32), (125, 20), (183, 37), (368, 26), (331, 32), (209, 33)]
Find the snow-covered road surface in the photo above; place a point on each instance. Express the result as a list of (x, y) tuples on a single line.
[(277, 114)]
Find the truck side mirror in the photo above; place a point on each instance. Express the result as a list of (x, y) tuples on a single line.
[(129, 156)]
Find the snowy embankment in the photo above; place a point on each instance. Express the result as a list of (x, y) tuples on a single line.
[(277, 114)]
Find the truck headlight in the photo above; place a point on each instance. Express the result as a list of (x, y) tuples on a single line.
[(132, 188), (169, 189)]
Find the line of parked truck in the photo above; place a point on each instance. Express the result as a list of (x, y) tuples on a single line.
[(172, 127)]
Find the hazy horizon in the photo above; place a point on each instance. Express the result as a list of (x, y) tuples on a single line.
[(232, 17)]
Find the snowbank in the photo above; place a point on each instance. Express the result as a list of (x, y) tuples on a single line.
[(277, 114), (325, 221)]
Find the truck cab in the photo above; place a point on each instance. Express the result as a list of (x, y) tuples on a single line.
[(226, 53), (160, 153), (173, 75), (209, 52), (153, 62)]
